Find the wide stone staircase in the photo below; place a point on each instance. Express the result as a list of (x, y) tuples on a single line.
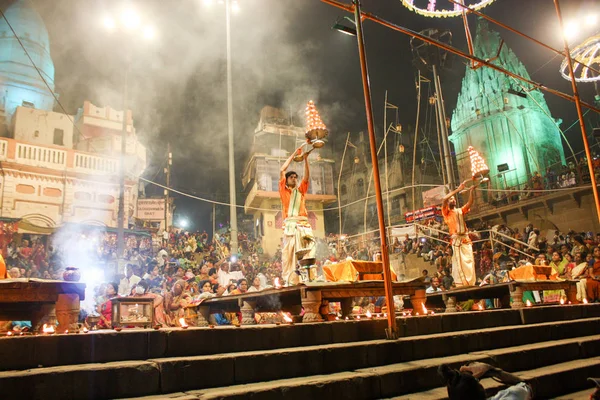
[(555, 348)]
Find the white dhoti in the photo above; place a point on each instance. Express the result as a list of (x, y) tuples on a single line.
[(298, 243), (463, 264)]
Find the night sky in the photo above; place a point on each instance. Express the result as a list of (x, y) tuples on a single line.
[(284, 53)]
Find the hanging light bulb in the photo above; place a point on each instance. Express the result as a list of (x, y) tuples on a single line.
[(356, 160), (401, 148)]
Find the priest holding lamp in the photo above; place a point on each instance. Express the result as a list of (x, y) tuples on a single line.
[(463, 264)]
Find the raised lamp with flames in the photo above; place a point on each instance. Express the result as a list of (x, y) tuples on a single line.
[(316, 131), (479, 169)]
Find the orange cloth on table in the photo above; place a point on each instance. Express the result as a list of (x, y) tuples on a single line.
[(345, 271), (3, 272), (527, 273), (285, 193)]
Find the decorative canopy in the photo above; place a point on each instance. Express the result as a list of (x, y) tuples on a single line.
[(588, 53), (428, 8)]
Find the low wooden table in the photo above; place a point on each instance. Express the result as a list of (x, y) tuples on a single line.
[(504, 291), (41, 301), (308, 296)]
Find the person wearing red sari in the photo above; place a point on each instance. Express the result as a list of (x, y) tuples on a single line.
[(105, 309), (592, 284)]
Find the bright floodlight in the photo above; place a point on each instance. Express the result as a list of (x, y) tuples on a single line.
[(149, 33), (235, 6), (183, 223), (109, 23), (591, 20), (130, 19), (570, 30)]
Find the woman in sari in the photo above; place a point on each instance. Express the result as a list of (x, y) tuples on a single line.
[(175, 302), (105, 309), (141, 290)]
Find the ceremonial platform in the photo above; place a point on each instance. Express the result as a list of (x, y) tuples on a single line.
[(308, 296), (510, 293), (41, 301)]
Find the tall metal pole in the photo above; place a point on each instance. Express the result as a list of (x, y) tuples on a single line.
[(168, 175), (414, 203), (338, 187), (385, 158), (121, 210), (392, 330), (449, 161), (586, 144), (443, 129), (232, 192)]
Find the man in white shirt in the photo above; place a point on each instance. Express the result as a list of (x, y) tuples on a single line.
[(224, 276), (435, 285), (128, 282), (165, 237)]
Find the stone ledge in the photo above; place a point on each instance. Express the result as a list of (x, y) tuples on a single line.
[(98, 381)]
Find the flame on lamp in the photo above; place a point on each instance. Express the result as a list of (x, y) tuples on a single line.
[(286, 318), (528, 303), (277, 283), (562, 301), (49, 329), (182, 322), (368, 314), (9, 333), (478, 165), (85, 330), (480, 307), (424, 310), (313, 119), (585, 301)]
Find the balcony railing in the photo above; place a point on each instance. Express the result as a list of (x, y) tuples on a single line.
[(38, 156), (93, 164)]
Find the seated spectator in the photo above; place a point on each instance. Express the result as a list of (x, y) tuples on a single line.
[(175, 302), (105, 309), (256, 285), (593, 278), (435, 286), (142, 290), (242, 287), (206, 289), (425, 276)]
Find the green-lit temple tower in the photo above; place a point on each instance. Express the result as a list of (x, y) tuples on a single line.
[(503, 122)]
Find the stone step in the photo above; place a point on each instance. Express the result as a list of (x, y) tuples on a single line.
[(186, 373), (580, 395), (182, 373), (549, 381), (109, 346), (398, 378), (402, 378)]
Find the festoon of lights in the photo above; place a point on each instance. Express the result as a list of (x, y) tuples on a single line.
[(428, 8), (315, 130)]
